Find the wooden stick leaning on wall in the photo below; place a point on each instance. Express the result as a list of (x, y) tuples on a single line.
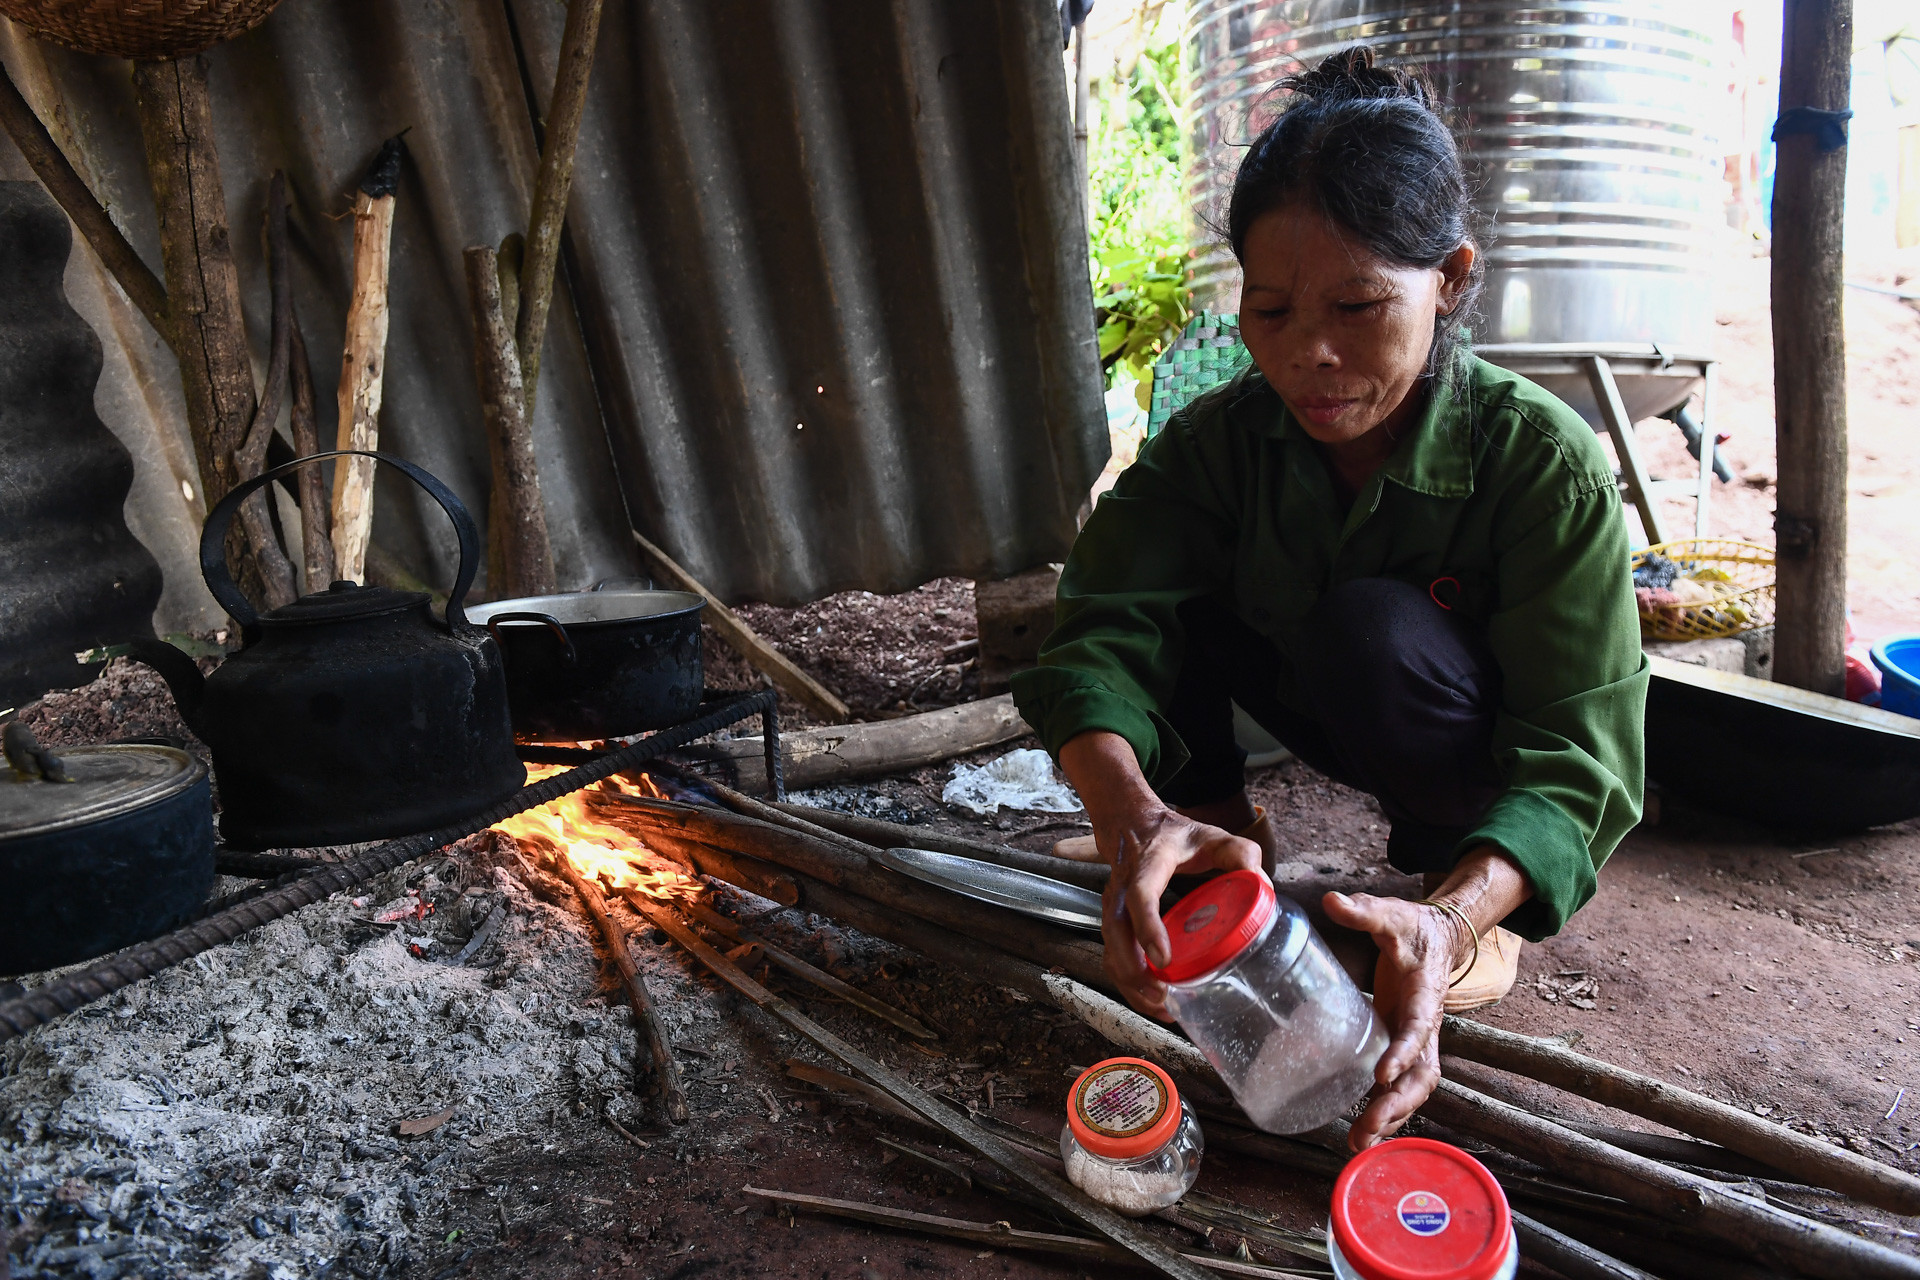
[(316, 505), (519, 551), (64, 184), (745, 641), (552, 185), (206, 326), (363, 361), (276, 572), (646, 1018)]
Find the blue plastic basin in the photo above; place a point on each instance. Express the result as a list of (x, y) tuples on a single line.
[(1898, 658)]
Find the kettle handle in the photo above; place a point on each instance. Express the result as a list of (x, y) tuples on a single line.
[(213, 538)]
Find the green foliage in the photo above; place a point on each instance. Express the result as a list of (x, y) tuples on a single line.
[(1138, 216)]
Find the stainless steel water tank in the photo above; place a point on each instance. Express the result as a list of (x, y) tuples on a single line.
[(1586, 127)]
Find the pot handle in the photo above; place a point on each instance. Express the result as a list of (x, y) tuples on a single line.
[(213, 538), (547, 620)]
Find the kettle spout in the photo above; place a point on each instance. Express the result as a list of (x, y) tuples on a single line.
[(183, 678)]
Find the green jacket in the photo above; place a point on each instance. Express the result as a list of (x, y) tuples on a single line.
[(1500, 487)]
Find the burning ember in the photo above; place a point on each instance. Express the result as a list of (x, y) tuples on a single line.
[(598, 849)]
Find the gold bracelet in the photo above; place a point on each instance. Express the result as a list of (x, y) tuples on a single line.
[(1449, 908)]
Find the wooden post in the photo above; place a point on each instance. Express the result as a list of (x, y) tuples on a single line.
[(206, 327), (363, 363), (276, 573), (519, 552), (552, 185), (316, 504), (1809, 349)]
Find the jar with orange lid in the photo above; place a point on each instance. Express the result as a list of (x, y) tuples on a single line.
[(1129, 1142)]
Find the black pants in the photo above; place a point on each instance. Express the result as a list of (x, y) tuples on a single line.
[(1401, 695)]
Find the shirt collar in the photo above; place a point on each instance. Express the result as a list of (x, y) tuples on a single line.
[(1434, 458)]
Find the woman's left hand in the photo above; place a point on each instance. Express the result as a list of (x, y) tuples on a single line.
[(1420, 947)]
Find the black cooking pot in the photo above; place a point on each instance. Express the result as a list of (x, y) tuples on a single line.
[(353, 713), (120, 854), (598, 664)]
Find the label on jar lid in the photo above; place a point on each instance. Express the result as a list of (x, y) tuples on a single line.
[(1123, 1107), (1415, 1209)]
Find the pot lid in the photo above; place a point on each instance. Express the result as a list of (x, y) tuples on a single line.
[(342, 601), (107, 782)]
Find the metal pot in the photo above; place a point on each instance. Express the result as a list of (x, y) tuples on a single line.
[(122, 853), (598, 664), (352, 713)]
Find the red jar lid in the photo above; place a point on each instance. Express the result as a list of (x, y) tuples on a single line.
[(1416, 1209), (1123, 1108), (1215, 923)]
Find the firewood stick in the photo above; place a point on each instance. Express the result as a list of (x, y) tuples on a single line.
[(646, 1018), (783, 959), (519, 550), (65, 185), (1000, 1236), (1042, 943), (1570, 1257), (745, 641), (363, 361), (838, 753), (1800, 1157), (276, 572), (552, 185), (1059, 1194), (1760, 1230), (316, 510), (893, 835)]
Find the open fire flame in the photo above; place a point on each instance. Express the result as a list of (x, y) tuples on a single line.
[(599, 849)]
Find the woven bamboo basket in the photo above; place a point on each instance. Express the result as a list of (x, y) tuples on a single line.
[(1741, 574), (143, 29)]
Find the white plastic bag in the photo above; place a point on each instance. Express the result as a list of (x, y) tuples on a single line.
[(1018, 780)]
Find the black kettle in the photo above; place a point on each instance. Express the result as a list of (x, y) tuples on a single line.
[(353, 713)]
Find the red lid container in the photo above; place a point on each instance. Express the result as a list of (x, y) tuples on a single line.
[(1215, 923), (1416, 1209)]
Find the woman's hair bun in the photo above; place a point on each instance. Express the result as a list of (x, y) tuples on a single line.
[(1353, 74)]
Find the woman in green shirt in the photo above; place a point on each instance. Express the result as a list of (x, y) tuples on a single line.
[(1410, 566)]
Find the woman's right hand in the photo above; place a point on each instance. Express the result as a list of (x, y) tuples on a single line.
[(1146, 842)]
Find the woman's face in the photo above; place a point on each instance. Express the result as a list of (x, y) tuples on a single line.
[(1341, 333)]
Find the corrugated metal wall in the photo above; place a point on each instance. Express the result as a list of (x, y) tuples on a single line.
[(828, 323)]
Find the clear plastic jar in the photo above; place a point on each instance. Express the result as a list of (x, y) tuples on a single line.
[(1129, 1142), (1416, 1207), (1261, 995)]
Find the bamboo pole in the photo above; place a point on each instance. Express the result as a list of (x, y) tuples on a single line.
[(519, 550), (1772, 1235), (1809, 350), (65, 185), (646, 1018), (1794, 1154), (552, 185), (363, 361)]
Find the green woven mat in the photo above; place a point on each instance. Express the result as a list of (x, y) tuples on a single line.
[(1207, 353)]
